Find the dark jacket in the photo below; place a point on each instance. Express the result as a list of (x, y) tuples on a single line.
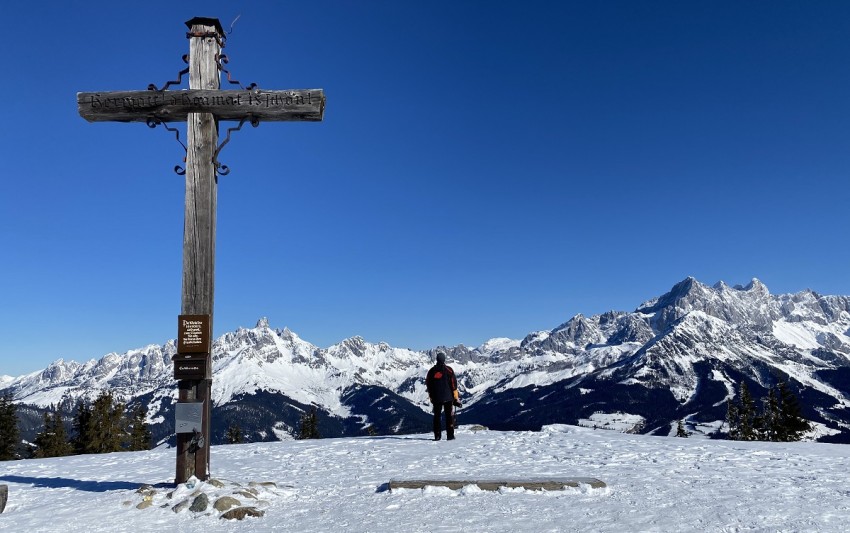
[(441, 384)]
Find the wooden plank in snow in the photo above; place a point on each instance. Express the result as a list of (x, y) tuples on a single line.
[(532, 484)]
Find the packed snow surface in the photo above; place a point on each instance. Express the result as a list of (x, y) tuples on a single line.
[(654, 484)]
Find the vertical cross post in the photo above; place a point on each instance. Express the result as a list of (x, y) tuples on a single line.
[(203, 105), (199, 235)]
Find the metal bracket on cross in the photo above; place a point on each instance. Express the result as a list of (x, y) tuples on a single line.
[(221, 60), (153, 122), (178, 81), (224, 170)]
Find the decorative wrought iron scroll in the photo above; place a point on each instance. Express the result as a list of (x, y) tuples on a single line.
[(221, 169), (153, 122)]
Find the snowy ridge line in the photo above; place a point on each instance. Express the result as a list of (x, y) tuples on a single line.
[(696, 342)]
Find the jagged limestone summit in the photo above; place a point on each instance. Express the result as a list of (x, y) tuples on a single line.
[(679, 356)]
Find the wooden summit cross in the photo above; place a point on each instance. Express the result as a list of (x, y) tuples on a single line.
[(202, 107)]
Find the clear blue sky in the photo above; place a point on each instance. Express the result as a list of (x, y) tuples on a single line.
[(484, 168)]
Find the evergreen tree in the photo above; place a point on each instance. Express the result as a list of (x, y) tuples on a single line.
[(102, 427), (9, 435), (140, 433), (746, 414), (233, 434), (792, 426), (680, 430), (107, 425), (52, 441), (63, 445), (732, 420), (309, 425), (769, 417), (780, 418), (43, 440), (305, 428), (82, 422)]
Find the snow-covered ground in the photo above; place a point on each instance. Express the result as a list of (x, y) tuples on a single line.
[(654, 484)]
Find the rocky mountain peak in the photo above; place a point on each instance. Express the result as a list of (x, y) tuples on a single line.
[(749, 305), (356, 344), (691, 345), (721, 286), (687, 290)]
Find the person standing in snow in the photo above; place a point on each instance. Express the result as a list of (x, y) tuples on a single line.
[(441, 385)]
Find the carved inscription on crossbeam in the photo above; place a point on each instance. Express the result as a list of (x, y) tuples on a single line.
[(175, 106)]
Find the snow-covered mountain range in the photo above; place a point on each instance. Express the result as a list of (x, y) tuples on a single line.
[(678, 356)]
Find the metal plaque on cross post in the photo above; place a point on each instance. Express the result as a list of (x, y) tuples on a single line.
[(193, 334), (202, 107)]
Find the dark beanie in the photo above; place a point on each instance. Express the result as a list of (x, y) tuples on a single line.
[(441, 357)]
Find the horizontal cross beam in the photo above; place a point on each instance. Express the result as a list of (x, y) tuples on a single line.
[(303, 105)]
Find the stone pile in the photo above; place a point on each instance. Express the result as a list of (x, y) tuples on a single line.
[(226, 500)]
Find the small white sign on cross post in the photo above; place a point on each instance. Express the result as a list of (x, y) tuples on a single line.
[(202, 107)]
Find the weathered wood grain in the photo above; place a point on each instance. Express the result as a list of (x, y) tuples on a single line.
[(199, 228), (305, 105), (202, 106)]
